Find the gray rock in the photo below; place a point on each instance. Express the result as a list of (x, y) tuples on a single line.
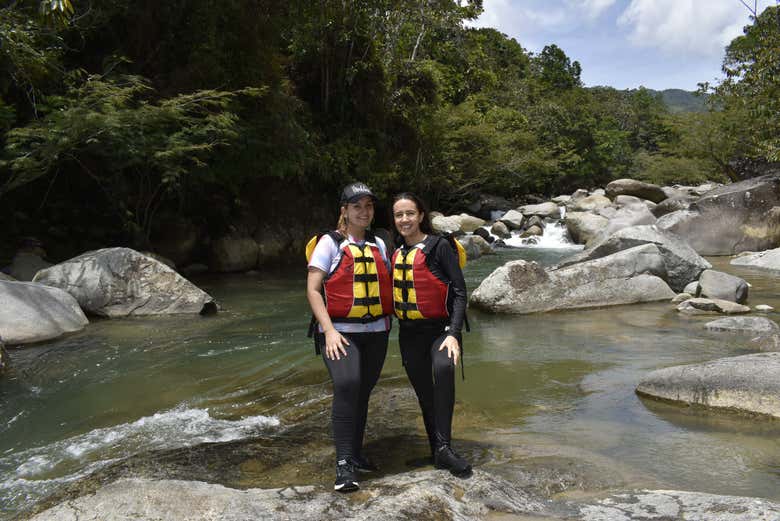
[(627, 277), (599, 191), (628, 216), (533, 231), (681, 297), (683, 264), (765, 260), (561, 199), (636, 188), (753, 325), (446, 224), (746, 383), (743, 216), (412, 495), (711, 306), (233, 253), (584, 226), (469, 223), (667, 505), (513, 219), (716, 284), (532, 221), (117, 282), (766, 342), (499, 229), (4, 276), (475, 246), (692, 288), (673, 204), (548, 209), (627, 200), (484, 234), (592, 202), (486, 204), (580, 193), (764, 308), (25, 265), (33, 312)]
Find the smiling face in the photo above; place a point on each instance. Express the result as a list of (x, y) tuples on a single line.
[(359, 214), (407, 218)]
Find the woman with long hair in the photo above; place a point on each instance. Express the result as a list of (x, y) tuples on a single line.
[(429, 295), (349, 289)]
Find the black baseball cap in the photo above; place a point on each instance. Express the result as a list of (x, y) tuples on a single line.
[(355, 191)]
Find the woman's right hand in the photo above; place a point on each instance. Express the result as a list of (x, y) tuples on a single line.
[(335, 344)]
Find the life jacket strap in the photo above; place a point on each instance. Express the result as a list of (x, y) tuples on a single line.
[(403, 284)]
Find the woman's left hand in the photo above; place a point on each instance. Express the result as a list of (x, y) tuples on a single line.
[(453, 348)]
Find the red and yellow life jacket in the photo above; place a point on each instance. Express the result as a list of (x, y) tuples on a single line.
[(418, 293), (360, 288)]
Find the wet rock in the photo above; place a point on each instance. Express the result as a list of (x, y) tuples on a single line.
[(765, 260), (500, 229), (475, 246), (636, 188), (584, 226), (25, 265), (3, 358), (534, 220), (746, 384), (590, 203), (692, 288), (766, 342), (764, 308), (469, 223), (682, 263), (711, 306), (533, 231), (625, 277), (33, 312), (665, 505), (681, 297), (484, 234), (4, 276), (548, 209), (425, 495), (233, 253), (513, 219), (754, 325), (716, 284), (743, 216), (673, 204), (117, 282)]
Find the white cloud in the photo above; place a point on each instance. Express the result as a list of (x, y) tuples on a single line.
[(593, 8), (686, 26)]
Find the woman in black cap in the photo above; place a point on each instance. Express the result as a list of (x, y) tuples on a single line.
[(429, 295), (349, 289)]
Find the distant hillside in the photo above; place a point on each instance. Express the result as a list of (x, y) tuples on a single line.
[(679, 100)]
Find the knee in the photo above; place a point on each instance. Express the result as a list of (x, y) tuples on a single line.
[(347, 386), (443, 367)]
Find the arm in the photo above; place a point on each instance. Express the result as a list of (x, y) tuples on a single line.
[(448, 263), (334, 341)]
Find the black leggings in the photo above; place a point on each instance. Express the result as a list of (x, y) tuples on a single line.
[(354, 376), (432, 374)]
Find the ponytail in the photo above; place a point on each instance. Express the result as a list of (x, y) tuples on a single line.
[(341, 226)]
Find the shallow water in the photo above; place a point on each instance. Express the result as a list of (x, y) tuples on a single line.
[(560, 384)]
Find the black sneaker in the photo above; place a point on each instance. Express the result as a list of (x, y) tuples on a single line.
[(448, 459), (346, 480), (362, 464)]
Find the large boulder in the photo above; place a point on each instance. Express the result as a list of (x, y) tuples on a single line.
[(711, 306), (765, 260), (590, 203), (627, 277), (716, 284), (743, 216), (682, 263), (33, 312), (513, 219), (486, 206), (499, 229), (636, 188), (584, 226), (747, 384), (117, 282), (475, 246), (446, 223), (673, 204), (548, 209), (469, 223), (25, 265), (633, 215), (233, 253), (749, 325), (481, 232)]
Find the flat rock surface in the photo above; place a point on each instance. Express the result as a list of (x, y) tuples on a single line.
[(765, 260), (746, 384), (757, 325), (711, 306), (33, 312), (117, 282)]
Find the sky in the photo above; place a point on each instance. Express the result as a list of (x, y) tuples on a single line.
[(659, 44)]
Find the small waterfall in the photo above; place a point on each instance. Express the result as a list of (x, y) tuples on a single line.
[(554, 236)]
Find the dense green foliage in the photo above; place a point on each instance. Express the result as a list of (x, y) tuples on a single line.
[(139, 106)]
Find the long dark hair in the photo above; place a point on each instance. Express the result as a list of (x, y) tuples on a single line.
[(425, 225)]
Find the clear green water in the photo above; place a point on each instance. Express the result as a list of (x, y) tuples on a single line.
[(560, 384)]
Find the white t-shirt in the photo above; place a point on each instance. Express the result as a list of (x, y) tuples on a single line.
[(325, 257)]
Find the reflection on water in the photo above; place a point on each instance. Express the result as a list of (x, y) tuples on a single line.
[(561, 381)]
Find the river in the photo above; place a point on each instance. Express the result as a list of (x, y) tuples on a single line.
[(555, 385)]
